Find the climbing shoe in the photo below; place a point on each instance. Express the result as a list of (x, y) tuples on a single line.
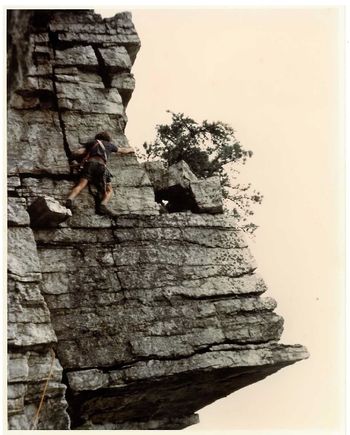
[(105, 211), (69, 204)]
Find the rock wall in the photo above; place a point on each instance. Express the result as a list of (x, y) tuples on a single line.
[(140, 320), (31, 337)]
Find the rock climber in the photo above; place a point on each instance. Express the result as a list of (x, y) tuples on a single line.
[(93, 157)]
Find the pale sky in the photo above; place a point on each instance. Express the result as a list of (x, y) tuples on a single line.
[(275, 76)]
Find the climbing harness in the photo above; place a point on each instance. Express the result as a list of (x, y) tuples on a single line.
[(36, 417), (88, 155)]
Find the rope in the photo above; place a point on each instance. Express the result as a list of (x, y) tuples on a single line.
[(36, 417)]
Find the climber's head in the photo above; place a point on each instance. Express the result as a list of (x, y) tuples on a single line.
[(103, 135)]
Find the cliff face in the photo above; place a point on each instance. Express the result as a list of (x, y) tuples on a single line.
[(150, 316)]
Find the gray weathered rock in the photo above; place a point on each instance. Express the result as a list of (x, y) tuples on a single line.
[(207, 195), (156, 172), (88, 97), (27, 377), (169, 298), (16, 212), (36, 143), (18, 61), (87, 380), (13, 182), (125, 83), (23, 261), (179, 174), (82, 126), (116, 59), (30, 335), (141, 319), (79, 56)]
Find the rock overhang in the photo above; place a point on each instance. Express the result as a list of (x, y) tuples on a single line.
[(180, 308)]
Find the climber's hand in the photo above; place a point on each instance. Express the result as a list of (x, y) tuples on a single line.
[(126, 151)]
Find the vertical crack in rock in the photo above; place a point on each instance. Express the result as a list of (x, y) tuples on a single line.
[(66, 145), (102, 70), (54, 41)]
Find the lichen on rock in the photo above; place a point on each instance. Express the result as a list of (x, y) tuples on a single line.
[(150, 316)]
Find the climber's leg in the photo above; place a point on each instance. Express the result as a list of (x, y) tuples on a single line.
[(102, 208), (75, 192), (108, 194), (78, 188)]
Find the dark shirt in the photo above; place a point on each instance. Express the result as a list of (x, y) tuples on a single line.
[(98, 150)]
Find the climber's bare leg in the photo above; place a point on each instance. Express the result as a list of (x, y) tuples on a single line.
[(108, 194), (83, 182)]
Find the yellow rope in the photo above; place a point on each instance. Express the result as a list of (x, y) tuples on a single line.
[(36, 417)]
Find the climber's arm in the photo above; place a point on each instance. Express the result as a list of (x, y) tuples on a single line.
[(125, 150), (79, 152)]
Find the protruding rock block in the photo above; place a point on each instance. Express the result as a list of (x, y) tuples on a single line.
[(180, 187), (87, 380), (156, 171), (207, 195), (116, 59), (179, 174), (125, 83), (80, 56), (47, 212)]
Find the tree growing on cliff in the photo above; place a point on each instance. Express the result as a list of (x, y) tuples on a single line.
[(209, 148)]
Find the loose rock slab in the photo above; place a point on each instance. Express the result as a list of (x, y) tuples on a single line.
[(45, 211)]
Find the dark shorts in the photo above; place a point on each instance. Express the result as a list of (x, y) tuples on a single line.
[(96, 173)]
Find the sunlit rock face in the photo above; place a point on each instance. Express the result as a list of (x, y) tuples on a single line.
[(136, 321)]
